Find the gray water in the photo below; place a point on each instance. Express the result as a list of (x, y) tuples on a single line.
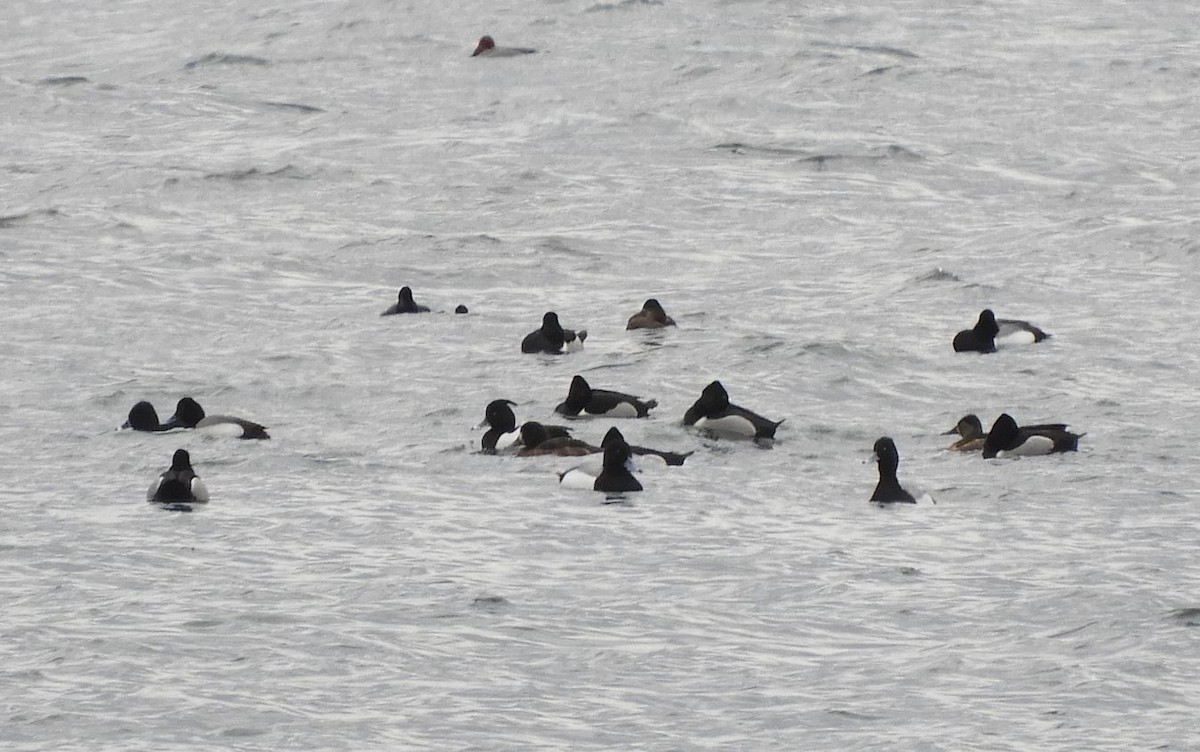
[(218, 199)]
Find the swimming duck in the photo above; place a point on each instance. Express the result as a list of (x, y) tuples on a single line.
[(585, 473), (652, 316), (583, 398), (537, 440), (189, 414), (888, 490), (179, 483), (143, 417), (989, 332), (970, 432), (670, 458), (970, 428), (550, 337), (590, 469), (405, 304), (503, 434), (615, 475), (1006, 439), (487, 48), (714, 413)]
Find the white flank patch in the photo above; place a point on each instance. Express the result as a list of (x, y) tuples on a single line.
[(199, 490), (505, 441), (578, 478), (730, 426), (622, 410), (229, 430), (1034, 445), (1014, 338)]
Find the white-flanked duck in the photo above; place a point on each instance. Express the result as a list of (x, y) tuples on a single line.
[(583, 474), (179, 483), (713, 412), (189, 414), (582, 398), (487, 48), (405, 304), (503, 435), (990, 332), (970, 429), (1006, 439), (615, 476), (889, 490), (552, 338), (652, 316)]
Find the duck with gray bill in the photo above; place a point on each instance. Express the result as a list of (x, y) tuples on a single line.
[(552, 338), (988, 330), (189, 414), (970, 429), (714, 413), (502, 433), (1006, 439), (582, 398)]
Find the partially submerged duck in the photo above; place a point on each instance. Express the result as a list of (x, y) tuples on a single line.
[(143, 417), (652, 316), (405, 304), (487, 48)]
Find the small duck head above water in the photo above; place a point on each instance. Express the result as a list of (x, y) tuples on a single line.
[(487, 48), (405, 304), (652, 316), (143, 417)]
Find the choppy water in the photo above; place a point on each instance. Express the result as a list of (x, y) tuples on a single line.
[(217, 199)]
